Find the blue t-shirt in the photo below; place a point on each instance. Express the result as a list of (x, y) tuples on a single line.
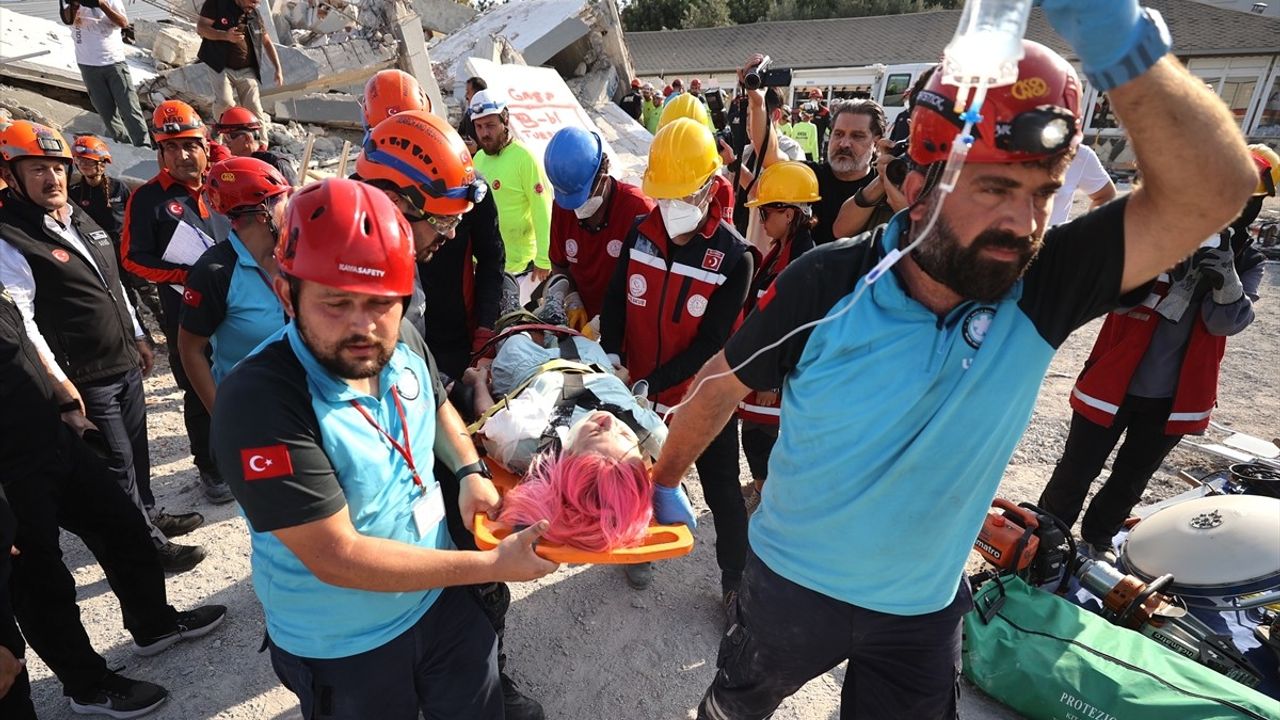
[(897, 424), (294, 450), (228, 299)]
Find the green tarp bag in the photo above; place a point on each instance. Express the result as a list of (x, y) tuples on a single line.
[(1051, 660)]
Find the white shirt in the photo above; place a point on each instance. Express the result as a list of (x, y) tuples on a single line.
[(98, 40), (1086, 173), (17, 278)]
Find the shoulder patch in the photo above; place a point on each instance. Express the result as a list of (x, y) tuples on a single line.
[(266, 462)]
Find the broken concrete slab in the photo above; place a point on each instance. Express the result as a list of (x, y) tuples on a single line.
[(22, 34), (175, 47), (443, 16), (334, 109)]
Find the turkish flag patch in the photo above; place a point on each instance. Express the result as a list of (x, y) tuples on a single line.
[(191, 297), (265, 462), (61, 255), (711, 261), (175, 209), (538, 188)]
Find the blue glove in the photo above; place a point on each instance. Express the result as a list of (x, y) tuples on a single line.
[(671, 506), (1117, 40)]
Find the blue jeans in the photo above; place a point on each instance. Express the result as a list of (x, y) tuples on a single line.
[(785, 635), (445, 666)]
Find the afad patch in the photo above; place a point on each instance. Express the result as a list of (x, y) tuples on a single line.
[(538, 188), (175, 209), (264, 463), (497, 184), (191, 298), (61, 255), (712, 260)]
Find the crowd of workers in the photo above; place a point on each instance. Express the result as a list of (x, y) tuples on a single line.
[(333, 340)]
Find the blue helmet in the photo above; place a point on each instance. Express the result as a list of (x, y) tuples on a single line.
[(572, 160)]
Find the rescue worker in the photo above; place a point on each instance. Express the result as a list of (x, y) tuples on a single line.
[(325, 433), (62, 272), (229, 308), (859, 545), (805, 133), (652, 109), (242, 133), (593, 215), (722, 196), (54, 480), (784, 201), (1153, 376), (520, 189), (389, 92), (168, 225), (104, 199), (674, 298), (632, 103), (461, 280)]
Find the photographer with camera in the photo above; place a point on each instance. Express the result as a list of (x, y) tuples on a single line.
[(856, 125), (231, 32), (98, 33), (874, 204)]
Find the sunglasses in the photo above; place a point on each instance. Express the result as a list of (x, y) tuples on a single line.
[(441, 224), (771, 207)]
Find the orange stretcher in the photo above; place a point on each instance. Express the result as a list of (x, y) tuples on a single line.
[(661, 543)]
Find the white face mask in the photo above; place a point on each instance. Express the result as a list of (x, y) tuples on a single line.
[(679, 217), (590, 207)]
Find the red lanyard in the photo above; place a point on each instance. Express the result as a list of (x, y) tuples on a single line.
[(405, 450)]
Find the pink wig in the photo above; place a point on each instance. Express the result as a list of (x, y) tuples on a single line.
[(594, 503)]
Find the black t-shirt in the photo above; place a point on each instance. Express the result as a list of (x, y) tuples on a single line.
[(1075, 278), (104, 203), (267, 402), (834, 192), (633, 104)]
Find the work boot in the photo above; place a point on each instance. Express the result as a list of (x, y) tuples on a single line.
[(174, 525), (215, 489), (1102, 552), (639, 575), (175, 558), (517, 705)]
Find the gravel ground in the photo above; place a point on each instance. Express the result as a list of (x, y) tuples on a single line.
[(579, 640)]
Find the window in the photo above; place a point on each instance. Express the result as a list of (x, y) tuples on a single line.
[(1269, 118), (851, 92), (1236, 93), (895, 90)]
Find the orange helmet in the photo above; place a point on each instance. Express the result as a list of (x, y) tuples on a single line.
[(238, 118), (1033, 119), (174, 119), (25, 139), (91, 147), (426, 159), (389, 92), (347, 235)]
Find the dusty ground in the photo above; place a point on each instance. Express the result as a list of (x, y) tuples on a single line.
[(579, 640)]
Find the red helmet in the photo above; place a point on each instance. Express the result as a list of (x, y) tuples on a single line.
[(243, 183), (389, 92), (1036, 117), (350, 236), (91, 147), (424, 157), (237, 118), (174, 119), (635, 83)]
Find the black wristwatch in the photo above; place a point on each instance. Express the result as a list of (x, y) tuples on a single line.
[(477, 467), (69, 406)]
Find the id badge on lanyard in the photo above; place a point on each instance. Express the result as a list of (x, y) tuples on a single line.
[(428, 504)]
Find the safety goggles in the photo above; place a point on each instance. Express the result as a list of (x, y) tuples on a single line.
[(89, 161), (443, 225), (173, 128), (765, 210), (423, 186), (486, 108), (240, 132)]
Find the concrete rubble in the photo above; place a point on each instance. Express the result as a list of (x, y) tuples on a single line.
[(328, 48)]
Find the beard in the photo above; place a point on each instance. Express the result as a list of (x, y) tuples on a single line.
[(330, 356), (846, 161), (966, 270)]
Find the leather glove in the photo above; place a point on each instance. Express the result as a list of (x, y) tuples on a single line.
[(481, 336), (1115, 39), (1218, 266), (671, 506)]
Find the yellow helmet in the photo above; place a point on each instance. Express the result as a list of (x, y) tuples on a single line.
[(790, 182), (682, 158), (1265, 155), (684, 106)]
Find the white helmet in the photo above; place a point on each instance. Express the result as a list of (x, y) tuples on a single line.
[(484, 104)]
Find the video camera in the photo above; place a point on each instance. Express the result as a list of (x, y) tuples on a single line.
[(896, 171), (763, 75)]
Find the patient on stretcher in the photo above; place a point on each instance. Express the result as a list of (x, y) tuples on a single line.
[(575, 432)]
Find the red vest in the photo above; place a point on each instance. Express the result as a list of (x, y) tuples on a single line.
[(668, 289), (1122, 342), (755, 407)]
